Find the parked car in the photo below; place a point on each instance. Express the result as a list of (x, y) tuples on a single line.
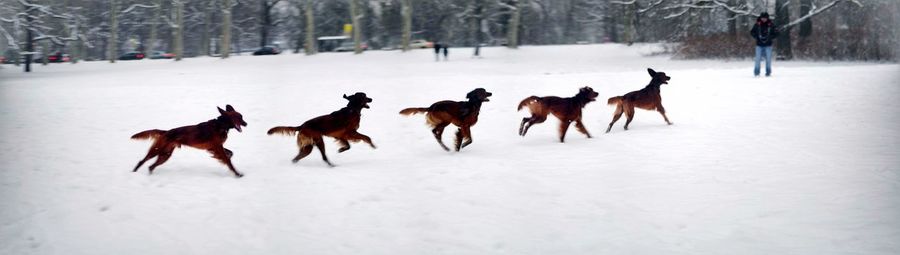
[(348, 46), (420, 44), (134, 55), (9, 56), (267, 50), (58, 57), (161, 55)]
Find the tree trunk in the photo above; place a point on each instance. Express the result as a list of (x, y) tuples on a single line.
[(806, 25), (512, 31), (479, 32), (354, 19), (153, 26), (179, 30), (113, 31), (45, 53), (783, 42), (204, 39), (75, 51), (29, 42), (406, 11), (226, 28), (732, 21), (629, 24), (265, 21), (310, 29)]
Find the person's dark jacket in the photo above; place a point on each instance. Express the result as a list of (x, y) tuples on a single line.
[(764, 32)]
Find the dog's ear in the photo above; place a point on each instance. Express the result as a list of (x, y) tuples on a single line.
[(229, 108), (651, 72), (345, 97), (220, 110)]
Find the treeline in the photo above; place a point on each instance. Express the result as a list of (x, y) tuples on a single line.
[(103, 29)]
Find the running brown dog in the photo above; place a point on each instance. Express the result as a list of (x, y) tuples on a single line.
[(462, 114), (567, 110), (647, 98), (209, 136), (341, 125)]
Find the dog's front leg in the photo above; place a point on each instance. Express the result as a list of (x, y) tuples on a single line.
[(580, 127), (345, 145)]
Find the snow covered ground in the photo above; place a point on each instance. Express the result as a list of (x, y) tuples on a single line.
[(804, 162)]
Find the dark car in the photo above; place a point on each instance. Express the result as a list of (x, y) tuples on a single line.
[(58, 57), (132, 56), (267, 50)]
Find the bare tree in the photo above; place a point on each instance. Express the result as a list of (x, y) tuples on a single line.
[(266, 20), (204, 35), (154, 24), (512, 32), (226, 28), (310, 28), (406, 12), (782, 16), (355, 15), (179, 29), (112, 45)]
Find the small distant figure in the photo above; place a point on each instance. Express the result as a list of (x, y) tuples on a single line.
[(764, 32), (445, 46), (437, 52)]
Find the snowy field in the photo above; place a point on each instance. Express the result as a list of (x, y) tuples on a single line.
[(804, 162)]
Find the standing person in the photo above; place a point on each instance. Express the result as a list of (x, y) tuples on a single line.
[(764, 32), (437, 52), (445, 46)]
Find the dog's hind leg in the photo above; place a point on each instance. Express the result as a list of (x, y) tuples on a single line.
[(563, 126), (223, 156), (438, 131), (321, 146), (580, 127), (629, 115), (228, 152), (150, 154), (164, 152), (304, 151), (522, 126), (616, 117), (662, 111), (535, 119)]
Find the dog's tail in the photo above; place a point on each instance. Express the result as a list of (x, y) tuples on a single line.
[(527, 101), (149, 134), (284, 130), (413, 110), (615, 100)]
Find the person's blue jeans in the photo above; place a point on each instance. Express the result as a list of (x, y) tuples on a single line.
[(763, 52)]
